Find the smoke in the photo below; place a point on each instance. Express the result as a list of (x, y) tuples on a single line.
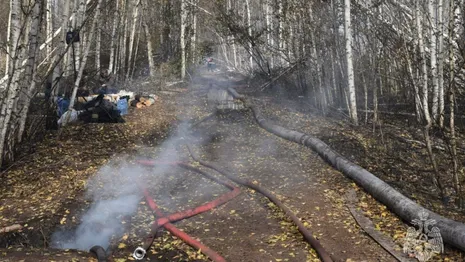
[(115, 194), (99, 224)]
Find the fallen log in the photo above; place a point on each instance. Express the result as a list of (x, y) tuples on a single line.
[(452, 232)]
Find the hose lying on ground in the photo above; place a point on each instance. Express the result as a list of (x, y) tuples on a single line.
[(452, 232), (325, 257), (100, 253), (183, 236), (165, 221)]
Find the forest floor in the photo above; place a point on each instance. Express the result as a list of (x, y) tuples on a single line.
[(50, 190)]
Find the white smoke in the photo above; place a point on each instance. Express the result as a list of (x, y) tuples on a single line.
[(115, 194)]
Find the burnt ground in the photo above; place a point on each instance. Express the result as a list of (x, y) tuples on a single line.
[(47, 192)]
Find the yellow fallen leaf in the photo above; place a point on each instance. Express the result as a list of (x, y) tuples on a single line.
[(121, 245)]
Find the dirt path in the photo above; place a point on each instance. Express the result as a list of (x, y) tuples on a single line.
[(248, 228)]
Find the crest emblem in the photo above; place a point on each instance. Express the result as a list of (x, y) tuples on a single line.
[(424, 241)]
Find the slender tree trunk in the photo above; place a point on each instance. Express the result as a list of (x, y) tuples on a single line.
[(136, 51), (231, 39), (441, 62), (135, 17), (453, 37), (30, 72), (433, 58), (194, 32), (114, 40), (13, 35), (14, 68), (124, 40), (84, 59), (249, 30), (59, 69), (49, 25), (183, 38), (78, 46), (148, 38), (319, 78), (424, 72), (349, 60), (98, 41)]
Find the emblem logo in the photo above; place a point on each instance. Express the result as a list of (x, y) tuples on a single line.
[(425, 241)]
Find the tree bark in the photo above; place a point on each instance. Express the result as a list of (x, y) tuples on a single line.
[(135, 17), (148, 38), (433, 58), (441, 62), (349, 60), (183, 38), (49, 25), (84, 58), (114, 41), (29, 83), (13, 87), (249, 31), (424, 72)]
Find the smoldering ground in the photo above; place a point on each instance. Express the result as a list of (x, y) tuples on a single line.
[(114, 193)]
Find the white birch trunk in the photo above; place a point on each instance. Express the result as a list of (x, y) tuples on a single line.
[(281, 31), (349, 60), (13, 34), (441, 62), (63, 46), (424, 72), (148, 39), (135, 17), (78, 46), (194, 32), (319, 78), (84, 58), (234, 48), (433, 58), (8, 54), (13, 86), (249, 26), (183, 37), (98, 41), (30, 72), (49, 26), (271, 29), (136, 51), (123, 40), (111, 66)]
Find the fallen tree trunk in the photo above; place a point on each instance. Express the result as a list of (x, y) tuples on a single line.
[(453, 232)]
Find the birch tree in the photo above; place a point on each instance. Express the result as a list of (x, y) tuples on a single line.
[(433, 58), (86, 55), (135, 17), (116, 17), (183, 38), (349, 61), (148, 39)]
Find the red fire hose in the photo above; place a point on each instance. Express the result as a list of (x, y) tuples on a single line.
[(165, 221), (185, 237), (308, 236)]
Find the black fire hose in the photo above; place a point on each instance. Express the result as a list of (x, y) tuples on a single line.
[(100, 253)]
